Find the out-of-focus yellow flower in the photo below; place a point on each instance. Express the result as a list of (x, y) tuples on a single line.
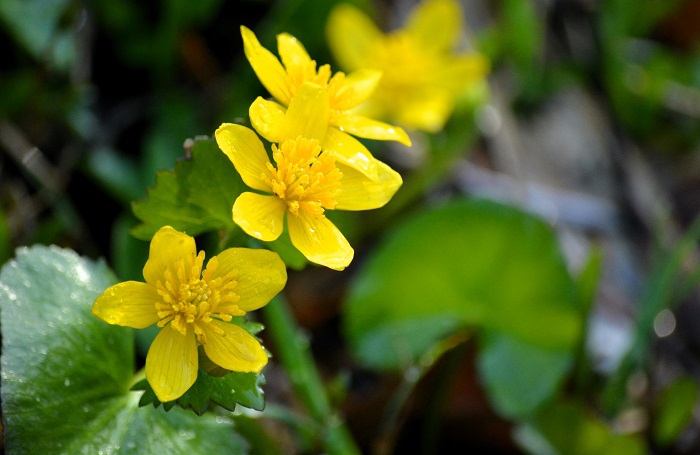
[(303, 182), (422, 75), (344, 92), (192, 307)]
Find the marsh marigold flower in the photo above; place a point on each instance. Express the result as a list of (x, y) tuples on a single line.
[(344, 92), (422, 74), (194, 308), (301, 182)]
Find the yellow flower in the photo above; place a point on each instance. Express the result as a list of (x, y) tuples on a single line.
[(303, 182), (193, 307), (344, 92), (422, 75)]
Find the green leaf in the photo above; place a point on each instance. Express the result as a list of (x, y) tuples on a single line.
[(35, 25), (567, 429), (518, 376), (226, 391), (214, 184), (66, 374), (469, 264), (195, 198), (116, 172), (674, 411)]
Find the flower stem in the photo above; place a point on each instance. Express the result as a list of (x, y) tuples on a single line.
[(292, 349)]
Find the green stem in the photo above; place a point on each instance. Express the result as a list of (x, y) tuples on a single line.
[(292, 350)]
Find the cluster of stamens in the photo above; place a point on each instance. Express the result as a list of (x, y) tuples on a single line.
[(341, 98), (304, 177), (190, 297)]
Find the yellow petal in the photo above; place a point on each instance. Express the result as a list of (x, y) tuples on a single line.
[(294, 56), (171, 363), (236, 350), (267, 117), (427, 111), (308, 113), (358, 192), (357, 87), (259, 216), (358, 125), (167, 246), (130, 304), (320, 241), (267, 67), (436, 24), (352, 36), (463, 71), (261, 275), (245, 150), (349, 151)]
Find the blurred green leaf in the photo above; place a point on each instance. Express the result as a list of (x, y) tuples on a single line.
[(117, 173), (648, 82), (473, 264), (35, 24), (66, 374), (524, 33), (196, 197), (129, 254), (16, 88), (567, 429), (174, 120), (674, 410), (518, 376)]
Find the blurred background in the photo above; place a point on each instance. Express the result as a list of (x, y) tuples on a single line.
[(591, 123)]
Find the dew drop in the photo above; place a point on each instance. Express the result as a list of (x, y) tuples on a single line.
[(184, 434)]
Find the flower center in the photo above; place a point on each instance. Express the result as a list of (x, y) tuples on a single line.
[(405, 66), (190, 297), (306, 179)]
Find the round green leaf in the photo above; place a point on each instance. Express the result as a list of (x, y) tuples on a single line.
[(519, 376), (474, 263)]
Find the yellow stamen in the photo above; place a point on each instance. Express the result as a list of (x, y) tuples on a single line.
[(306, 179), (192, 297)]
